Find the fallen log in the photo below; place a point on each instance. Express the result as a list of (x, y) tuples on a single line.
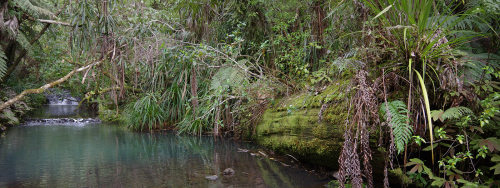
[(46, 86)]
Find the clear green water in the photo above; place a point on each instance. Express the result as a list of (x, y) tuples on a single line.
[(99, 155)]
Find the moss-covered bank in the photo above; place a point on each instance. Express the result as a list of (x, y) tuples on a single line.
[(292, 125)]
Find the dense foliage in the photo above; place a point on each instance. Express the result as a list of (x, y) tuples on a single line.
[(425, 73)]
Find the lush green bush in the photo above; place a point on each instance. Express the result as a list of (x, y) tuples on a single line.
[(146, 114)]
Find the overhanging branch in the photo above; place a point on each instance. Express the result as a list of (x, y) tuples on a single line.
[(46, 86), (54, 22)]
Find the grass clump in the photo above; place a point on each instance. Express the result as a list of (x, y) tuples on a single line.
[(146, 113)]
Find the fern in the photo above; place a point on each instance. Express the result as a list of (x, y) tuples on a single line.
[(3, 64), (394, 113), (451, 113), (459, 23), (28, 7), (474, 63), (229, 78), (23, 41)]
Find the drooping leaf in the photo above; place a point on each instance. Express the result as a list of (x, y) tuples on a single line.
[(497, 168)]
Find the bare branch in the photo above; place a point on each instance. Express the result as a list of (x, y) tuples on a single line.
[(54, 22)]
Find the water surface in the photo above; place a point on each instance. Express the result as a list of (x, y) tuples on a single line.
[(100, 155)]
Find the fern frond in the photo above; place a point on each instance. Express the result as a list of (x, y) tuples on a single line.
[(459, 23), (28, 7), (228, 78), (394, 113), (24, 42), (474, 64), (3, 64), (456, 113)]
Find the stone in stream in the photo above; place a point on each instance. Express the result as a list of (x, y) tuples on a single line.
[(228, 172), (212, 178)]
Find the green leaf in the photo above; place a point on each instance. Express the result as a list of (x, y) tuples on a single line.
[(496, 168), (417, 161), (438, 182), (382, 12), (495, 158), (429, 148), (428, 111), (436, 114), (428, 171), (467, 183)]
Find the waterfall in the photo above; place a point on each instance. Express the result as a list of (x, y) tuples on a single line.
[(61, 109), (61, 98)]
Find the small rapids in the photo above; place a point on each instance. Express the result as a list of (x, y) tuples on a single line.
[(61, 109), (61, 121)]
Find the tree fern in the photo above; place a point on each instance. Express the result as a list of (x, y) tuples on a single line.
[(394, 113)]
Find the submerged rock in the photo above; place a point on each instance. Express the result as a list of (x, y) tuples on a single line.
[(228, 172), (62, 121), (212, 178)]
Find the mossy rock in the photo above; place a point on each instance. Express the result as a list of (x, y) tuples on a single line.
[(292, 126)]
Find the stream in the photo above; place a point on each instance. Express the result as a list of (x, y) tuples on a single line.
[(65, 146)]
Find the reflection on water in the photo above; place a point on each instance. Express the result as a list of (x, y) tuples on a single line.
[(109, 156)]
